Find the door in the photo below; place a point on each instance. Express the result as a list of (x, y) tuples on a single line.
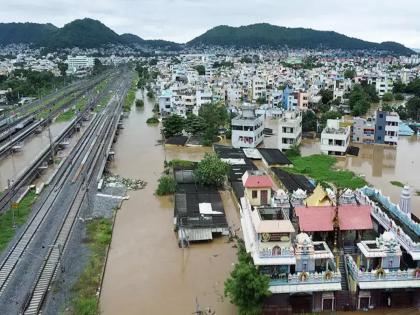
[(264, 197), (327, 305)]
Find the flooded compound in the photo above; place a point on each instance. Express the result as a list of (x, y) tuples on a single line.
[(146, 272), (378, 164)]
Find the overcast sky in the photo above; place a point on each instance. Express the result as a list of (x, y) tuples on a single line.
[(182, 20)]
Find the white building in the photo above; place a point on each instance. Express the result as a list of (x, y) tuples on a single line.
[(166, 105), (290, 129), (203, 96), (247, 129), (79, 62), (259, 89), (335, 139)]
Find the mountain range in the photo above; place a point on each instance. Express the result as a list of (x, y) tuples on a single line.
[(89, 33)]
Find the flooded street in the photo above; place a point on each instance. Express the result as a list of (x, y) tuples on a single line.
[(146, 272)]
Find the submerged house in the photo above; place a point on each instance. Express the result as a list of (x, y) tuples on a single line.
[(198, 210)]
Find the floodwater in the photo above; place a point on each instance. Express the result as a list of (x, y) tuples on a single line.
[(379, 164), (146, 272), (13, 165)]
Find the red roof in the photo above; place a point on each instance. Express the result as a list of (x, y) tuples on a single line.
[(257, 181), (313, 219), (350, 217), (354, 217)]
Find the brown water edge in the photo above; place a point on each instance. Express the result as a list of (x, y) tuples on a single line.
[(146, 272)]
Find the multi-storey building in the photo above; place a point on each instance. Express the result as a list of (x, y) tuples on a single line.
[(334, 138), (386, 127), (290, 129), (247, 128)]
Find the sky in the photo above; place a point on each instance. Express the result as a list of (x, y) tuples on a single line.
[(182, 20)]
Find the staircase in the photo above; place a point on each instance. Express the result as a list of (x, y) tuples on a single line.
[(344, 284)]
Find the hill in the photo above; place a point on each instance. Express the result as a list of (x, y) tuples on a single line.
[(83, 33), (14, 33), (257, 35)]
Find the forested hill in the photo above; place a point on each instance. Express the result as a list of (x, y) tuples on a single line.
[(83, 33), (257, 35)]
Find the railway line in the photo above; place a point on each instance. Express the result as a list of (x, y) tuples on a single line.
[(14, 133), (71, 185), (28, 175)]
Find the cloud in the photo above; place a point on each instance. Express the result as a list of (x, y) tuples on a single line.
[(181, 20)]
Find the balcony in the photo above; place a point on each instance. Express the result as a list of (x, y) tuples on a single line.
[(383, 278), (306, 282)]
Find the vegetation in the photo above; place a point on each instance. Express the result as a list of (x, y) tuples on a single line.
[(166, 186), (397, 183), (66, 116), (29, 83), (21, 213), (388, 97), (139, 103), (309, 121), (257, 35), (85, 298), (181, 163), (211, 170), (413, 108), (173, 126), (150, 94), (214, 115), (200, 69), (247, 287), (131, 95), (360, 98), (349, 73), (411, 88), (294, 151), (327, 96), (399, 97), (152, 120), (321, 168), (223, 64)]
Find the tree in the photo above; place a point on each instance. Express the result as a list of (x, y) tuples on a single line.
[(413, 108), (247, 287), (388, 97), (261, 100), (200, 69), (173, 126), (327, 96), (195, 125), (139, 103), (98, 67), (63, 68), (398, 87), (309, 121), (211, 170), (214, 115), (413, 87), (399, 97), (349, 73)]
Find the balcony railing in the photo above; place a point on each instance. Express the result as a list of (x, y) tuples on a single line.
[(380, 274), (307, 278)]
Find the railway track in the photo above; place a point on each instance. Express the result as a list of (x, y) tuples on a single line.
[(81, 156), (82, 177), (7, 197)]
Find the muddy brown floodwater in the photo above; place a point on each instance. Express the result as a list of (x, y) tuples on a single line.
[(146, 272)]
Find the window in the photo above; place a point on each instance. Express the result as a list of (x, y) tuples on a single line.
[(254, 194), (381, 115), (379, 127)]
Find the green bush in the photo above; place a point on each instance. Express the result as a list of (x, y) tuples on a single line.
[(166, 186), (399, 97), (139, 103), (152, 120)]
